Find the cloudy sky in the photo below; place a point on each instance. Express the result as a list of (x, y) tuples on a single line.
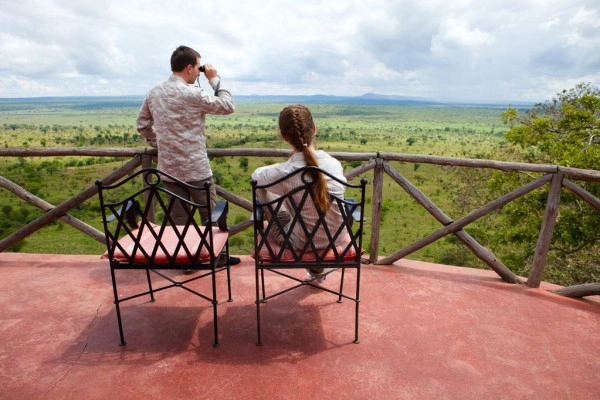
[(464, 50)]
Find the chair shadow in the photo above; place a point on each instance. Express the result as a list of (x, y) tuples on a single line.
[(152, 333), (292, 330)]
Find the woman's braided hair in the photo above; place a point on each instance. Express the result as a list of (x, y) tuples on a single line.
[(297, 127)]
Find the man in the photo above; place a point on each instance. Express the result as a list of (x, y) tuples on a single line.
[(172, 119)]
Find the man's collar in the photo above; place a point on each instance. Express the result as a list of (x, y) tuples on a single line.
[(175, 77)]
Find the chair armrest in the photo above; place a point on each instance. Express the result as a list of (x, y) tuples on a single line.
[(131, 214), (257, 213), (219, 215), (355, 212)]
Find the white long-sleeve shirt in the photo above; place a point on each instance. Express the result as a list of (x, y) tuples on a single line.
[(172, 118), (271, 173)]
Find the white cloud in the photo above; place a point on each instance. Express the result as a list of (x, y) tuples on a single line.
[(550, 24), (15, 84), (584, 28), (462, 50), (457, 34)]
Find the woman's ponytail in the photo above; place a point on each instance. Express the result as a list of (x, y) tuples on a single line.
[(297, 127)]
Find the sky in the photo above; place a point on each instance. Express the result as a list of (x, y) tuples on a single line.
[(443, 50)]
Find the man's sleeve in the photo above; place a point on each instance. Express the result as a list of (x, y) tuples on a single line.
[(220, 103), (145, 124)]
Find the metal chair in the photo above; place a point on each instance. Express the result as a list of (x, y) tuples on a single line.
[(141, 235), (273, 249)]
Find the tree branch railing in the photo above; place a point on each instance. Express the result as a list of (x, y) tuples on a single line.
[(558, 177)]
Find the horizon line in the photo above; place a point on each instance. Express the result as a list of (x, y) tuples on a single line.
[(366, 98)]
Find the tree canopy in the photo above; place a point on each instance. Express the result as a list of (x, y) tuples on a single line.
[(564, 131)]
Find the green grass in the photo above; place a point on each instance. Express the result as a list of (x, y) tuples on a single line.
[(432, 130)]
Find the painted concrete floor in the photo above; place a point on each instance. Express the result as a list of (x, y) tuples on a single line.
[(427, 331)]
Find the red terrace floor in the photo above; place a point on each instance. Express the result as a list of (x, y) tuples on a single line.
[(427, 332)]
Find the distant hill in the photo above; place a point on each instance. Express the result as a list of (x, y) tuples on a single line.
[(99, 102), (71, 102), (365, 99)]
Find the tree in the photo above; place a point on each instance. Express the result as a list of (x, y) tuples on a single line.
[(7, 210), (244, 163), (564, 131)]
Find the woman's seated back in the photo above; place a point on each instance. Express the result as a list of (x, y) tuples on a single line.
[(298, 129)]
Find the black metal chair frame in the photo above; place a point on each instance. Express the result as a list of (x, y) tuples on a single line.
[(331, 258), (126, 220)]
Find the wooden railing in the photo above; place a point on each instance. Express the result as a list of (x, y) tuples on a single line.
[(556, 176)]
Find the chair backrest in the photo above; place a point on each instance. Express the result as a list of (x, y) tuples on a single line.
[(139, 229), (310, 236)]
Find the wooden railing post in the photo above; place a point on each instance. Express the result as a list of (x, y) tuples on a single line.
[(376, 212), (546, 231)]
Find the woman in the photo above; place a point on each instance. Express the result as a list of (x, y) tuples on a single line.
[(298, 129)]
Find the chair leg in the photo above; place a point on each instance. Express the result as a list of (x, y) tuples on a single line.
[(150, 286), (121, 336), (214, 303), (216, 342), (356, 340), (259, 342), (357, 300), (342, 285), (230, 299), (262, 278), (114, 283)]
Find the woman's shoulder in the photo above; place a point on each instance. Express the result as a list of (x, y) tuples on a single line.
[(323, 156), (271, 172)]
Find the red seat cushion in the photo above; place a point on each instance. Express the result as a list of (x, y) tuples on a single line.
[(169, 241), (266, 256)]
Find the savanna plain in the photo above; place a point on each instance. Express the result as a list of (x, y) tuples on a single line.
[(465, 131)]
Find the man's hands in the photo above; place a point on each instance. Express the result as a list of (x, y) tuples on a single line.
[(209, 71)]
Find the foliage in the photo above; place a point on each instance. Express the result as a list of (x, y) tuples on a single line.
[(244, 163), (564, 131)]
